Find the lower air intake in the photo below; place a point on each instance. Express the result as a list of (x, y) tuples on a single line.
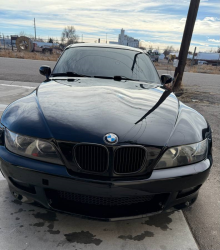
[(103, 201)]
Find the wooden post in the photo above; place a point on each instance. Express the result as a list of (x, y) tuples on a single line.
[(186, 40), (193, 57)]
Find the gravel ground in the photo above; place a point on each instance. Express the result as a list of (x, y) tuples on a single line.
[(203, 216)]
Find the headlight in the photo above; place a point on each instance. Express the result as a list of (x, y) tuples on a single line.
[(30, 147), (183, 155)]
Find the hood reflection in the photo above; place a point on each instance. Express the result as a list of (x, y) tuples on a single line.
[(87, 109)]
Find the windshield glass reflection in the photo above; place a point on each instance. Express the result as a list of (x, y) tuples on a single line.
[(107, 62)]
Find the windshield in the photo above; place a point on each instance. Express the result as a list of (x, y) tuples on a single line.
[(107, 62)]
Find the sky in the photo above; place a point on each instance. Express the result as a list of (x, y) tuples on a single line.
[(157, 23)]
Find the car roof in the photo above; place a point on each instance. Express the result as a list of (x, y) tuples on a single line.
[(103, 45)]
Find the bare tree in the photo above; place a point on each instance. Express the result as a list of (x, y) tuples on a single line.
[(168, 50), (22, 33), (39, 39), (69, 35), (218, 50)]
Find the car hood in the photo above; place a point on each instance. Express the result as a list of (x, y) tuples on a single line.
[(84, 110)]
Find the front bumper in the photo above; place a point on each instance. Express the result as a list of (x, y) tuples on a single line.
[(42, 182)]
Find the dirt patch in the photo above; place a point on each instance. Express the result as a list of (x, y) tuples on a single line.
[(190, 96), (207, 69), (29, 55)]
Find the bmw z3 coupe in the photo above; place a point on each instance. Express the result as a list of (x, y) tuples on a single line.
[(103, 137)]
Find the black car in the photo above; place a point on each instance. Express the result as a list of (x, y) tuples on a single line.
[(102, 137)]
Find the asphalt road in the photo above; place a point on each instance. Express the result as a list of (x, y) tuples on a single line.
[(25, 70), (202, 93), (12, 69)]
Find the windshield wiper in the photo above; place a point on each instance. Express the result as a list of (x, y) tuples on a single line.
[(119, 78), (104, 77), (134, 61), (69, 74), (116, 78)]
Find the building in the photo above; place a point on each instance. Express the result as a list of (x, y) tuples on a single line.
[(126, 40), (208, 56)]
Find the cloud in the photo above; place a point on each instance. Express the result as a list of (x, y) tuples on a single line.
[(213, 19), (183, 20), (145, 19), (214, 41)]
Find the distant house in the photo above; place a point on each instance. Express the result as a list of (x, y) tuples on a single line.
[(126, 40), (202, 56), (207, 58)]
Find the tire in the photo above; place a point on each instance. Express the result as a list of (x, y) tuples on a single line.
[(24, 43)]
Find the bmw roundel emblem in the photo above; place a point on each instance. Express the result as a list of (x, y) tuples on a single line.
[(111, 138)]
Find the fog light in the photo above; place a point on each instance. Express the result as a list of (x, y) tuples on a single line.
[(187, 191), (23, 186)]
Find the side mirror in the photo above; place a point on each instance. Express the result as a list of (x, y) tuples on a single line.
[(165, 79), (45, 71)]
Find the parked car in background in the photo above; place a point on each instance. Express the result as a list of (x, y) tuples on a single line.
[(24, 43), (154, 55)]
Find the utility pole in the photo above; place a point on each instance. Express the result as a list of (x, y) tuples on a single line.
[(12, 44), (193, 57), (99, 40), (106, 37), (4, 41), (187, 36), (34, 28), (218, 60)]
